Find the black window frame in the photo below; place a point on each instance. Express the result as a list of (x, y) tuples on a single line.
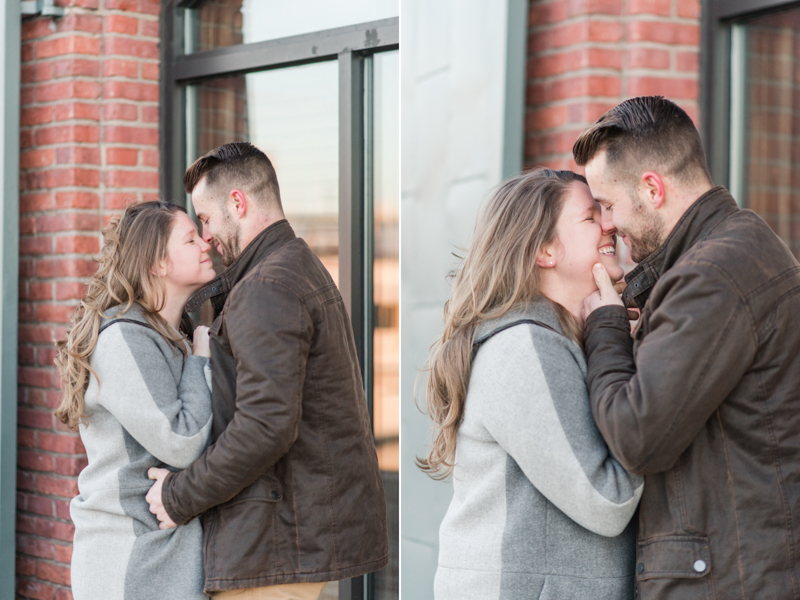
[(715, 90), (349, 46)]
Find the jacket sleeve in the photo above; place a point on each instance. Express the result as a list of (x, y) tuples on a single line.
[(170, 420), (532, 399), (270, 331), (700, 341)]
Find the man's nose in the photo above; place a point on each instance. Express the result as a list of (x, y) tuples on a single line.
[(207, 237), (606, 224)]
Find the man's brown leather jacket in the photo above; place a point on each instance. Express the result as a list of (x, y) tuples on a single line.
[(290, 490), (704, 400)]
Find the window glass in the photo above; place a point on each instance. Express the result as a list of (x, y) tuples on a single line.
[(221, 23), (765, 120)]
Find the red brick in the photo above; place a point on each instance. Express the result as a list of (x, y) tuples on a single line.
[(33, 159), (661, 8), (50, 92), (574, 33), (40, 291), (131, 179), (73, 44), (688, 62), (40, 506), (74, 21), (149, 28), (150, 114), (150, 71), (30, 246), (35, 461), (664, 33), (592, 7), (25, 311), (689, 9), (77, 245), (62, 512), (80, 3), (54, 313), (35, 590), (55, 530), (76, 68), (122, 156), (548, 117), (26, 567), (647, 58), (151, 7), (151, 158), (77, 110), (27, 52), (51, 572), (122, 24), (36, 115), (122, 68), (116, 201), (680, 89), (30, 73), (130, 47), (65, 444), (70, 465), (65, 268), (33, 546), (78, 155), (26, 437), (73, 177), (71, 290), (27, 95), (588, 112), (77, 200), (67, 221), (35, 334), (128, 90), (45, 357), (26, 225), (121, 134), (122, 112), (61, 553), (62, 594), (33, 28)]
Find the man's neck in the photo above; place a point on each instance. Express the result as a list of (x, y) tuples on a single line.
[(253, 228)]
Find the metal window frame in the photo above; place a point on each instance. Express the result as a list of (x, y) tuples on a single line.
[(10, 23), (715, 90), (349, 46)]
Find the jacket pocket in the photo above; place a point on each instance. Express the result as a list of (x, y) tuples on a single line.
[(246, 543), (673, 557)]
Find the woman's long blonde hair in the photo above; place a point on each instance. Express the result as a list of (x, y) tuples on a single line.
[(498, 272), (133, 245)]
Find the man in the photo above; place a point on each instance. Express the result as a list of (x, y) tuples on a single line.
[(703, 398), (290, 491)]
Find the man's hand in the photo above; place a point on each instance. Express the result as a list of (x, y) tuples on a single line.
[(607, 293), (154, 498)]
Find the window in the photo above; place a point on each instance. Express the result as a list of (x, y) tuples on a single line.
[(316, 86), (752, 108)]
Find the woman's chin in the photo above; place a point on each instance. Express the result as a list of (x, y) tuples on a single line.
[(614, 270)]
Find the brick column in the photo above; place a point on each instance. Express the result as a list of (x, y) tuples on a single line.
[(89, 144), (586, 56)]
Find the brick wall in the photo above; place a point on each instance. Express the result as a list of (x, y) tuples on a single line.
[(586, 56), (89, 144)]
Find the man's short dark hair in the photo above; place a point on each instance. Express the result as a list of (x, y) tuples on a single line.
[(646, 133), (238, 164)]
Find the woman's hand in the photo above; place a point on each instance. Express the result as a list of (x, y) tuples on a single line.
[(201, 346)]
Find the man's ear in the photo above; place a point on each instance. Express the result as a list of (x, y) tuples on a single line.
[(653, 186), (237, 201)]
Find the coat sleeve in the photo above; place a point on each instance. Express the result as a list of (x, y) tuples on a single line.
[(171, 420), (532, 399), (700, 341), (271, 352)]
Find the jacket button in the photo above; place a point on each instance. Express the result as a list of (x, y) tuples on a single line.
[(699, 566), (640, 568), (276, 495)]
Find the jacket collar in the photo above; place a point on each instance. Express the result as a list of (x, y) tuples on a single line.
[(539, 310), (696, 223), (266, 242)]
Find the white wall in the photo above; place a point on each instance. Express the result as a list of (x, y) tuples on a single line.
[(461, 123)]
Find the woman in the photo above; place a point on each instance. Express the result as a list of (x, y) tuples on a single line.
[(139, 394), (540, 507)]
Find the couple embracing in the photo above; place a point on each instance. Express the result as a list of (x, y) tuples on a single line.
[(557, 419), (259, 426)]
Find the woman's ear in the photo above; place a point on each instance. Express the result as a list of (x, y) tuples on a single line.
[(546, 258), (160, 270)]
